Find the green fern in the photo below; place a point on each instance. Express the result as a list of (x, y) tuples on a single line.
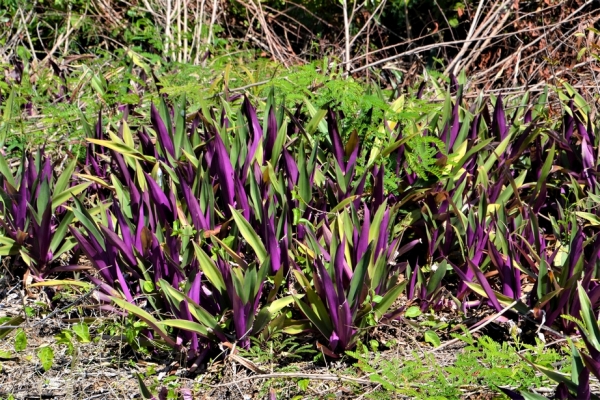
[(421, 154)]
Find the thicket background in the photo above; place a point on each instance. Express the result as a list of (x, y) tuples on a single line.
[(499, 43)]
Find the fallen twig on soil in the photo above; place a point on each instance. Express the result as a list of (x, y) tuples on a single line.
[(480, 327)]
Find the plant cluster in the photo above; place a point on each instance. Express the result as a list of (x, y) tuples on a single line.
[(232, 222)]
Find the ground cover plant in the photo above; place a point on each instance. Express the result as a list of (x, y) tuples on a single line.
[(314, 221)]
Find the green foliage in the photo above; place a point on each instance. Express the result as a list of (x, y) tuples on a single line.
[(275, 348), (82, 331), (79, 333), (421, 157), (482, 365), (46, 356), (20, 340)]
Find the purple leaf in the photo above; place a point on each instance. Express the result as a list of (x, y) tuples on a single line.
[(164, 139), (511, 394), (363, 242), (583, 387), (115, 240), (591, 364), (193, 206), (485, 285), (256, 133), (345, 329), (160, 199), (377, 188), (562, 392), (329, 291), (290, 167), (225, 173), (242, 199), (336, 140), (271, 133), (272, 246)]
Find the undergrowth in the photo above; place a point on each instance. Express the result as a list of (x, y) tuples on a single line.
[(483, 363)]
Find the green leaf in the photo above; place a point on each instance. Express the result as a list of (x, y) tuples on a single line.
[(545, 169), (144, 391), (591, 218), (358, 277), (280, 304), (433, 338), (413, 312), (61, 231), (82, 331), (6, 355), (123, 149), (209, 269), (249, 235), (46, 356), (496, 153), (20, 340), (263, 317), (15, 321), (321, 325), (186, 325), (317, 119), (388, 299), (588, 317), (375, 228), (62, 197), (62, 183), (7, 116), (10, 250), (5, 171), (146, 317), (86, 219), (238, 284), (437, 277), (304, 185), (180, 141), (196, 310), (65, 282)]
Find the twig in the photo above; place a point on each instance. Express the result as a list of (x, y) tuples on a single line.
[(76, 301), (434, 46), (198, 35), (495, 31), (27, 34), (64, 37), (466, 44), (373, 14), (168, 28), (346, 35), (480, 327), (533, 42), (213, 18)]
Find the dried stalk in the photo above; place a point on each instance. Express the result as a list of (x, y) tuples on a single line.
[(168, 28), (185, 31), (553, 28), (213, 18), (476, 53), (346, 35), (179, 44), (466, 45)]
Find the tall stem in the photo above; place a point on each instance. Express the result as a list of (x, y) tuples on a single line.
[(347, 34)]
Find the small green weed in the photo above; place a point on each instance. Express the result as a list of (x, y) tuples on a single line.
[(275, 348), (78, 333), (482, 365)]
